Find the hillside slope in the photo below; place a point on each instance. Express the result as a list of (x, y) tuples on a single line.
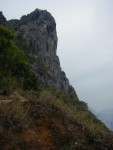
[(45, 122), (107, 118), (39, 109)]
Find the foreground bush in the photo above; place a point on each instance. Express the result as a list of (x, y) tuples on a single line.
[(15, 71)]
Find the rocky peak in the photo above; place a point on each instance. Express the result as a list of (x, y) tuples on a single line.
[(2, 18), (41, 18), (37, 31)]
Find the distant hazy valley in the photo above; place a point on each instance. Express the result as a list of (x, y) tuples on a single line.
[(105, 116)]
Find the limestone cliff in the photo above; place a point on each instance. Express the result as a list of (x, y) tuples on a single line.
[(37, 32)]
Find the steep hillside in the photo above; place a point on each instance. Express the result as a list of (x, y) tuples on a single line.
[(39, 109), (107, 117), (45, 122)]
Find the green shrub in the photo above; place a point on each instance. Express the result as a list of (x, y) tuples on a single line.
[(8, 84), (15, 71), (13, 116)]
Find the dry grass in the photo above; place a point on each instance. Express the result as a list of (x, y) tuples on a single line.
[(42, 121)]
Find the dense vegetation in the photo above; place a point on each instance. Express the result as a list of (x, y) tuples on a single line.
[(15, 71)]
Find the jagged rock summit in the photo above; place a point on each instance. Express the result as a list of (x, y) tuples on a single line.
[(37, 32), (2, 18)]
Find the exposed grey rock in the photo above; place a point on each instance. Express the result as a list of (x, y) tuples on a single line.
[(37, 32)]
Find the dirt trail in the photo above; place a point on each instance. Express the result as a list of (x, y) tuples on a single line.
[(40, 136), (11, 97)]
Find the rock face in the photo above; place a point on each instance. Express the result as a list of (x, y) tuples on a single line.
[(37, 32), (2, 19)]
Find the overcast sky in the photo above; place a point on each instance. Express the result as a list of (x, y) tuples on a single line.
[(85, 43)]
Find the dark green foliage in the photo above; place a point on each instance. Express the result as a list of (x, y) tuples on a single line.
[(11, 57), (15, 71), (7, 84)]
